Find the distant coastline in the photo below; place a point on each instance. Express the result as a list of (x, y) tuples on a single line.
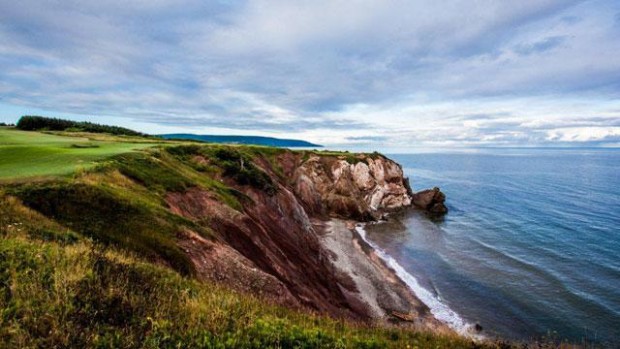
[(251, 140)]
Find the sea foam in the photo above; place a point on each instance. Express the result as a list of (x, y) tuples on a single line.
[(439, 310)]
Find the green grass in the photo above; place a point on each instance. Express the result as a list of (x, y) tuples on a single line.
[(25, 155)]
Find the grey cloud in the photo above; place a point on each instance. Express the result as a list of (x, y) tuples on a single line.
[(540, 46)]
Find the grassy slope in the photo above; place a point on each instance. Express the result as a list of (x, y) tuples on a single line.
[(59, 288)]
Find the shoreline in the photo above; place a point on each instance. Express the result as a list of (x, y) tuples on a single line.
[(383, 284), (438, 309), (369, 280)]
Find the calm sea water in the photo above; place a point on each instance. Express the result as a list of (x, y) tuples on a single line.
[(530, 247)]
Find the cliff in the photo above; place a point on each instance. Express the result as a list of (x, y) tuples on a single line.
[(273, 245), (259, 220)]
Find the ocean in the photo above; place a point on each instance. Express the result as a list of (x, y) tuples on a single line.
[(530, 248)]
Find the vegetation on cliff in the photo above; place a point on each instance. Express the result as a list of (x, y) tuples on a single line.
[(90, 255)]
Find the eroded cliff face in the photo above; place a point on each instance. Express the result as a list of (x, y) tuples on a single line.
[(273, 246), (361, 189)]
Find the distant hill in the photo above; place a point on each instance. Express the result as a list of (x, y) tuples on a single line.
[(256, 140)]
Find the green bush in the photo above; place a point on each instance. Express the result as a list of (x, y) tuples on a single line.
[(185, 150), (240, 167)]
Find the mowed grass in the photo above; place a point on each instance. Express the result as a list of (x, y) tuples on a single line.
[(26, 154)]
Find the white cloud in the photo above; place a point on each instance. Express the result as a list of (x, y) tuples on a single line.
[(584, 134)]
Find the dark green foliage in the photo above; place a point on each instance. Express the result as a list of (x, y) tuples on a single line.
[(183, 151), (94, 212), (5, 124), (239, 167), (99, 300), (34, 123)]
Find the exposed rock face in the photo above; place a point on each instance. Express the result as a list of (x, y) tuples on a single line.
[(360, 189), (431, 200), (274, 235), (274, 245)]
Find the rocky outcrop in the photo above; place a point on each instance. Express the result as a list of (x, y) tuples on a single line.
[(431, 200), (360, 188)]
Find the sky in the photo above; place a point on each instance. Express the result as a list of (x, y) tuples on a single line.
[(377, 73)]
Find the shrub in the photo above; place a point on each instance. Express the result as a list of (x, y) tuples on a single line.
[(240, 167), (185, 150)]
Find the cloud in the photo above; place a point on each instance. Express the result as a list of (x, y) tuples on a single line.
[(457, 72), (368, 139), (585, 134), (540, 46)]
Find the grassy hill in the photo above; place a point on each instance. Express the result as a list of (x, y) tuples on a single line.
[(88, 254)]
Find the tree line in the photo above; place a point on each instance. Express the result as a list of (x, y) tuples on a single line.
[(38, 123)]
